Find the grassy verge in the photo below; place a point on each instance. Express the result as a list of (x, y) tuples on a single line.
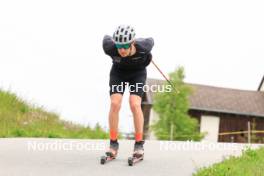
[(251, 163), (20, 119)]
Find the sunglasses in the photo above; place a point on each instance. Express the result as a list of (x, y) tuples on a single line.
[(125, 46)]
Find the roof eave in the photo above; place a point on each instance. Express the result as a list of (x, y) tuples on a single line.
[(226, 112)]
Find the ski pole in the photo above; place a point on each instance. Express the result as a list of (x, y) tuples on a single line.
[(164, 75)]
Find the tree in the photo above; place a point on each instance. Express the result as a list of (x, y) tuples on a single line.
[(172, 106)]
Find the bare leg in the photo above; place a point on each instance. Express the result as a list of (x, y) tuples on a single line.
[(135, 105), (116, 100)]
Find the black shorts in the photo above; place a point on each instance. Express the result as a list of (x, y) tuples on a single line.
[(134, 79)]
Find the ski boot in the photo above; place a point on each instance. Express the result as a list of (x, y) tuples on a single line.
[(111, 153), (138, 154)]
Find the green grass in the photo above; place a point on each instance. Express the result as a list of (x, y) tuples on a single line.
[(20, 119), (251, 163)]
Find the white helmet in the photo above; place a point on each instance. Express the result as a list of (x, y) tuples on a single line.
[(124, 34)]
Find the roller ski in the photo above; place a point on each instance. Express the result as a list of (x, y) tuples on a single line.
[(111, 154), (138, 154)]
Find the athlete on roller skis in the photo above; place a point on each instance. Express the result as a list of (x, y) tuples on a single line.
[(130, 57)]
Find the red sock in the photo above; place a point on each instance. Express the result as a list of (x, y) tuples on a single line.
[(113, 135), (138, 137)]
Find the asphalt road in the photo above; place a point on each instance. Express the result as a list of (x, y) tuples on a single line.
[(74, 157)]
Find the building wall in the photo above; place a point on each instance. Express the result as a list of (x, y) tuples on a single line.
[(227, 123), (206, 124), (210, 125), (232, 123)]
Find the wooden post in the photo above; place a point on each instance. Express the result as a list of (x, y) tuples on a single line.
[(171, 132), (249, 135)]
